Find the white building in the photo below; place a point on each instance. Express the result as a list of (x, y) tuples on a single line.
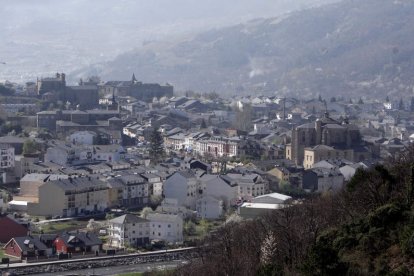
[(6, 157), (166, 227), (217, 147), (209, 207), (82, 138), (182, 186), (67, 154), (128, 230), (170, 206)]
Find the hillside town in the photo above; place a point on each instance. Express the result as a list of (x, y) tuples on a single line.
[(126, 165)]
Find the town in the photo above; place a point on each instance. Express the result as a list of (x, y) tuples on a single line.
[(126, 166)]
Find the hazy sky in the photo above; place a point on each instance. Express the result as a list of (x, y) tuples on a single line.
[(38, 37)]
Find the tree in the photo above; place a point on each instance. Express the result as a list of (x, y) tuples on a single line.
[(145, 212), (401, 104), (412, 104), (320, 98), (5, 91), (333, 99), (203, 124), (243, 119), (360, 101), (30, 146), (157, 146), (387, 99)]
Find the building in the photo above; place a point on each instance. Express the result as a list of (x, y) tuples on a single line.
[(209, 207), (84, 96), (30, 183), (66, 154), (182, 186), (79, 242), (166, 227), (128, 231), (219, 186), (217, 147), (250, 210), (324, 131), (10, 228), (70, 197), (322, 152), (6, 157), (51, 84), (249, 185), (54, 88), (322, 180), (129, 190), (273, 198), (170, 206), (26, 247), (88, 120), (85, 137), (140, 91)]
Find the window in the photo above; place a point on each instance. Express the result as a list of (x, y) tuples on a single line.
[(169, 225)]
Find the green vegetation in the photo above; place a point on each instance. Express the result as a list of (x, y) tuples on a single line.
[(1, 253), (366, 229), (30, 146), (198, 230), (58, 227), (157, 149)]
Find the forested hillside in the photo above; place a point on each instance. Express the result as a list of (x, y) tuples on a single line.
[(367, 229)]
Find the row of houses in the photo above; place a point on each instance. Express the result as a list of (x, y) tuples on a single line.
[(195, 189)]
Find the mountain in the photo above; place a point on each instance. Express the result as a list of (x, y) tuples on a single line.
[(42, 37), (351, 48)]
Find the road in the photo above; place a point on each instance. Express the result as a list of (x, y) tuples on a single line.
[(114, 270)]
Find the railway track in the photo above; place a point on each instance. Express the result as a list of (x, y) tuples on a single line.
[(98, 262)]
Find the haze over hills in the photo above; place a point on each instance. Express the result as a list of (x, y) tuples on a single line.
[(39, 38), (352, 48)]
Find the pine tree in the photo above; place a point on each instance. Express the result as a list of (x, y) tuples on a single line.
[(157, 146), (412, 104), (203, 124), (320, 98), (401, 104)]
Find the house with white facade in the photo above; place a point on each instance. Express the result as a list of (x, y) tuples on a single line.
[(216, 146), (128, 230), (182, 186), (65, 154), (170, 206), (6, 157), (85, 137), (166, 227), (249, 185), (209, 207), (220, 187)]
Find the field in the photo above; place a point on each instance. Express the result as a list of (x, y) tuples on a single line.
[(58, 227)]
